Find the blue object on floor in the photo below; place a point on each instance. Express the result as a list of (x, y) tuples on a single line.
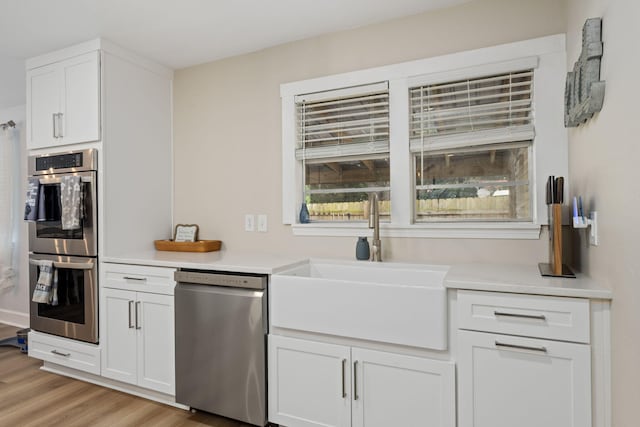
[(20, 341)]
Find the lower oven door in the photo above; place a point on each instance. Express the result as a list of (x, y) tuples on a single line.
[(73, 313)]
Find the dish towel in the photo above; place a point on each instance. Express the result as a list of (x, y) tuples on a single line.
[(31, 203), (70, 197), (42, 291)]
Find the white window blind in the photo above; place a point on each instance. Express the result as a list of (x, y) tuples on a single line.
[(477, 111), (343, 123)]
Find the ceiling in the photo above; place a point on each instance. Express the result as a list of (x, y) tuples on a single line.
[(177, 33)]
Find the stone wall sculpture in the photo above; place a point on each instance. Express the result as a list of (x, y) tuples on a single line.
[(584, 92)]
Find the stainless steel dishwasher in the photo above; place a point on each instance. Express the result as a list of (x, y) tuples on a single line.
[(221, 327)]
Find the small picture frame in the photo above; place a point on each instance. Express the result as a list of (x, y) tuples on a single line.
[(186, 233)]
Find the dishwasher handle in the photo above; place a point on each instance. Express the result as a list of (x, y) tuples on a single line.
[(221, 279)]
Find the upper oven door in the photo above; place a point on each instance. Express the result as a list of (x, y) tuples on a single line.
[(47, 236)]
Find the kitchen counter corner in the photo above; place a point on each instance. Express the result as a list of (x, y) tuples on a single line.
[(236, 262), (524, 279)]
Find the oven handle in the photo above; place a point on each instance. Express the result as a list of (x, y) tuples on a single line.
[(45, 181), (69, 265)]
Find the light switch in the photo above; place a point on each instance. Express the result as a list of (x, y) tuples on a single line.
[(249, 222), (262, 223)]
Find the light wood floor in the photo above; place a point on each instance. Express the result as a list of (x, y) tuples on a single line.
[(31, 397)]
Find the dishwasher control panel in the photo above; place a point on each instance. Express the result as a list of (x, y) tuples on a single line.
[(221, 279)]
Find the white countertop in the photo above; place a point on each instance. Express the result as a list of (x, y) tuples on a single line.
[(523, 279), (236, 262)]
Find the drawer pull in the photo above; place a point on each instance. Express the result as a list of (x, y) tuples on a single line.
[(355, 380), (522, 347), (344, 368), (59, 353), (523, 316), (137, 319), (140, 279), (131, 325)]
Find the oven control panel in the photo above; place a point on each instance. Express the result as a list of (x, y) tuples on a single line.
[(71, 161), (59, 161)]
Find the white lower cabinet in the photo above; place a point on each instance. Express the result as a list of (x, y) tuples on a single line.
[(319, 384), (513, 369), (138, 341)]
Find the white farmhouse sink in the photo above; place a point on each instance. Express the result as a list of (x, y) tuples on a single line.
[(388, 302)]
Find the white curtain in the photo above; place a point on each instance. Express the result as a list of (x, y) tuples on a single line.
[(9, 186)]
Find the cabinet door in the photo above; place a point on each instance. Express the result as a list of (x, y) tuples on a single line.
[(156, 358), (120, 335), (309, 383), (43, 102), (81, 99), (397, 390), (507, 381)]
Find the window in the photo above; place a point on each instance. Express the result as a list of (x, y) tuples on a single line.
[(470, 140), (456, 146), (343, 146)]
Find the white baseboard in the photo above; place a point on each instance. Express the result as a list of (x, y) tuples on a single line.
[(14, 318), (116, 385)]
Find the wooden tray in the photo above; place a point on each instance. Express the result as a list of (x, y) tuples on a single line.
[(199, 246)]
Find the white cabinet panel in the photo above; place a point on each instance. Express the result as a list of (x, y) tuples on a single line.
[(81, 101), (120, 337), (319, 384), (507, 381), (392, 389), (309, 383), (557, 318), (63, 102), (43, 102), (138, 335), (156, 349), (64, 351)]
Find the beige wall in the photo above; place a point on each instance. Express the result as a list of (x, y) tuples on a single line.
[(227, 125), (604, 155)]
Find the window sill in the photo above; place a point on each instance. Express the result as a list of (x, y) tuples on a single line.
[(501, 230)]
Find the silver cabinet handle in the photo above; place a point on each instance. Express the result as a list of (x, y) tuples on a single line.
[(131, 325), (344, 368), (55, 134), (524, 316), (137, 318), (355, 380), (540, 349), (139, 279), (59, 353), (60, 133)]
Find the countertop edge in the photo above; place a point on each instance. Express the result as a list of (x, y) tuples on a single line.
[(529, 289), (214, 265)]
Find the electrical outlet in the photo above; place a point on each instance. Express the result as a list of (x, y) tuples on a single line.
[(262, 223), (593, 232), (249, 222)]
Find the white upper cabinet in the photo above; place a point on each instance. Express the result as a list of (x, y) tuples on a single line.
[(63, 102)]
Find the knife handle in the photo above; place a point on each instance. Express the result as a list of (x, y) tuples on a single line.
[(559, 190)]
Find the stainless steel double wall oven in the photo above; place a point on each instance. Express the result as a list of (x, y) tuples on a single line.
[(74, 253)]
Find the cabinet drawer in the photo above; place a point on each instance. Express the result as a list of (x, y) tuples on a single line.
[(138, 278), (69, 353), (537, 316)]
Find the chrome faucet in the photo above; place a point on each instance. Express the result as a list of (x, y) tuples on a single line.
[(374, 222)]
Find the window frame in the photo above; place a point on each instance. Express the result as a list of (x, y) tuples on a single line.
[(546, 55)]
